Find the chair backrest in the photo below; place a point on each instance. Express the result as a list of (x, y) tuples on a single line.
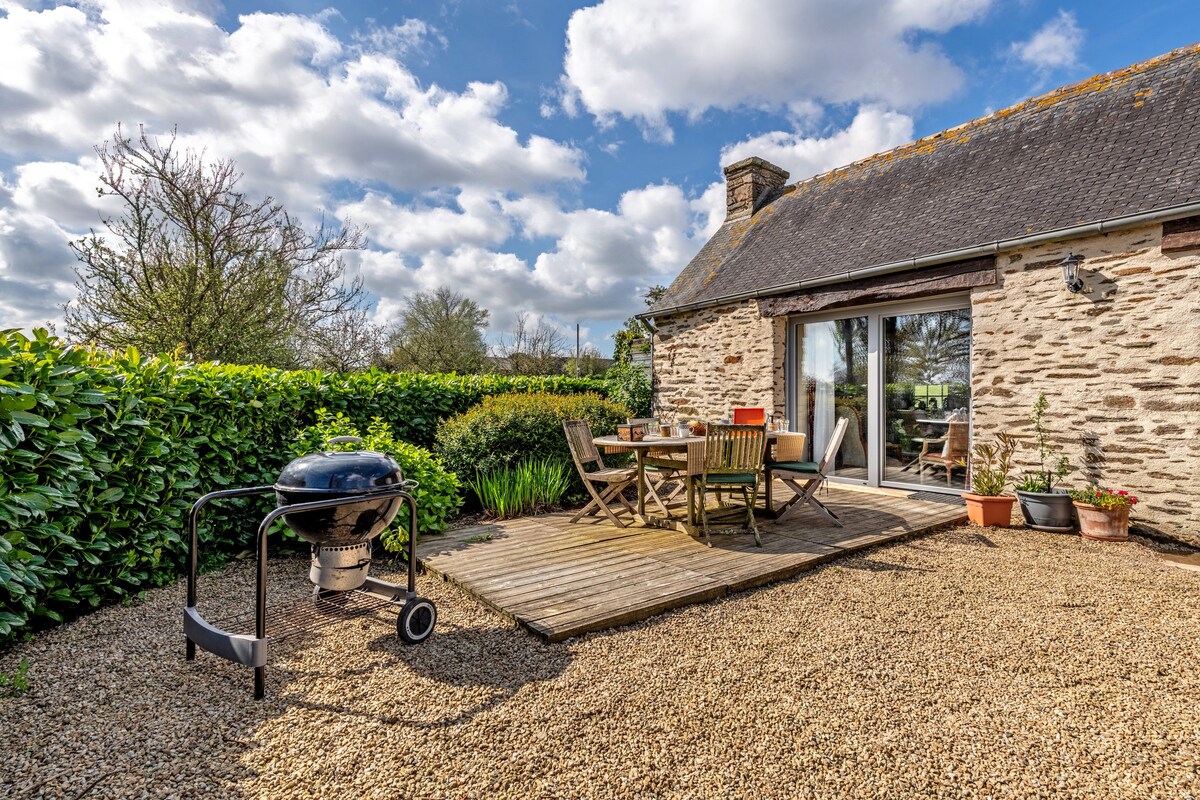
[(749, 416), (734, 449), (789, 446), (835, 442), (958, 440), (579, 439)]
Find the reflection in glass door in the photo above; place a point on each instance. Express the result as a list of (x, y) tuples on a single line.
[(927, 397), (833, 384)]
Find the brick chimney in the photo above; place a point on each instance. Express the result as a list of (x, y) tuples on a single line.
[(747, 183)]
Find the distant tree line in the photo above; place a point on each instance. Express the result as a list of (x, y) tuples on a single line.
[(193, 266)]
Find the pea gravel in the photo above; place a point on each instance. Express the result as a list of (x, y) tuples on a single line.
[(965, 663)]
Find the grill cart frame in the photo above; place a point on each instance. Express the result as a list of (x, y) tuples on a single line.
[(415, 623)]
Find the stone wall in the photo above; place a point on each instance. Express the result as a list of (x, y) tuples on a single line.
[(710, 360), (1119, 363)]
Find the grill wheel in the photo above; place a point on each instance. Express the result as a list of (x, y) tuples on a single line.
[(416, 620)]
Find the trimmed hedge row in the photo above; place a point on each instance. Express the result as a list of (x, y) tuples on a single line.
[(101, 457)]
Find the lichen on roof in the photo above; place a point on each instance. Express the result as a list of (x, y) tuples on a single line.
[(1119, 143)]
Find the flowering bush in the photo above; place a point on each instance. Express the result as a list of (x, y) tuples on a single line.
[(1108, 499)]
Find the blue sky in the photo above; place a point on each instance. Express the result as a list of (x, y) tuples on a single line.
[(545, 157)]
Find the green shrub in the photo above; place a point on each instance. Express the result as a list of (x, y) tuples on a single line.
[(101, 457), (628, 385), (506, 429), (437, 492), (530, 486)]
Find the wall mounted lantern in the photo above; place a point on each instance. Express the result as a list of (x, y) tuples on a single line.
[(1070, 268)]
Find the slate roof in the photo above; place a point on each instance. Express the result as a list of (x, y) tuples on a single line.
[(1116, 144)]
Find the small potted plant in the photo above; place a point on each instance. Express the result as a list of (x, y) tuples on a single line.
[(1103, 513), (1045, 507), (990, 465)]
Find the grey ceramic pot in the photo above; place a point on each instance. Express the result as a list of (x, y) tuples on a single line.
[(1048, 511)]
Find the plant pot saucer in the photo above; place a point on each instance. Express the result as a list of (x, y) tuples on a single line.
[(1051, 528)]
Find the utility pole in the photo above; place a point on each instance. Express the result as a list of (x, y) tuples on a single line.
[(576, 349)]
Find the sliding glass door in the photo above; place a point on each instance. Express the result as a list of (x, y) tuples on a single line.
[(927, 397), (901, 375), (832, 385)]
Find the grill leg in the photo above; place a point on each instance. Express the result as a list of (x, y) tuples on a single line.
[(190, 650), (260, 683)]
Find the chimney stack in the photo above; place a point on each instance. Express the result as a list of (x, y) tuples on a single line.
[(747, 183)]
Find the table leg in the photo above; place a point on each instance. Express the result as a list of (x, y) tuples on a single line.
[(641, 481), (691, 504)]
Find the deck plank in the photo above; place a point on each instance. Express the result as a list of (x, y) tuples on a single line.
[(560, 579)]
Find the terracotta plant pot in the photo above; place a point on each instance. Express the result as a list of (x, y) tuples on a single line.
[(990, 512), (1103, 525)]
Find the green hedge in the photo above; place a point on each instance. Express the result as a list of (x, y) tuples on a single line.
[(509, 428), (101, 457)]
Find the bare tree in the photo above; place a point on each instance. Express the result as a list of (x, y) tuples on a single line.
[(192, 265), (440, 331), (531, 349), (346, 343)]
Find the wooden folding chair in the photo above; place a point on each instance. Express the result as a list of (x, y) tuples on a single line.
[(662, 468), (733, 459), (812, 473), (583, 453)]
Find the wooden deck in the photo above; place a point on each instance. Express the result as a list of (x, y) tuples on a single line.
[(560, 580)]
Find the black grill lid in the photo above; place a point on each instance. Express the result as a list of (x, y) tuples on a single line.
[(349, 472)]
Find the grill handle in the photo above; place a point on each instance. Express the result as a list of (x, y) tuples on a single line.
[(344, 440)]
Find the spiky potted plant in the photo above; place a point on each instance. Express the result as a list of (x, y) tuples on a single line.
[(1045, 507), (990, 465), (1103, 513)]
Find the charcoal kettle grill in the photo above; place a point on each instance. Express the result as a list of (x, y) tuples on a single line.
[(338, 502)]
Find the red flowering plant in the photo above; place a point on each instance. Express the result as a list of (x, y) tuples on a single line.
[(1108, 499)]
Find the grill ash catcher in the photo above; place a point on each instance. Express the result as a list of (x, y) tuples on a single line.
[(338, 502)]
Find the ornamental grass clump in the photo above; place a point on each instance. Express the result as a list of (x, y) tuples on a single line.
[(531, 486), (1107, 499), (991, 465)]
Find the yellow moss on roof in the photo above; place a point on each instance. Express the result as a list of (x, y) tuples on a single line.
[(962, 133)]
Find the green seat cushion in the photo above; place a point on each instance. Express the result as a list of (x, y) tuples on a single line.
[(795, 466), (732, 478)]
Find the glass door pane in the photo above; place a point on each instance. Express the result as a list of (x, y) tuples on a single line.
[(833, 384), (927, 397)]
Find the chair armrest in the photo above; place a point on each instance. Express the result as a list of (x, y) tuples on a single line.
[(925, 444)]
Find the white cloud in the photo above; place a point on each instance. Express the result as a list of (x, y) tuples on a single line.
[(873, 130), (399, 40), (309, 118), (1055, 45), (421, 228), (279, 88), (599, 262), (643, 60), (451, 195)]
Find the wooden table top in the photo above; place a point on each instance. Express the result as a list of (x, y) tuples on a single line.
[(653, 440)]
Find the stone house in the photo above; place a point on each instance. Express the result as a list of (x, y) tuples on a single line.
[(921, 293)]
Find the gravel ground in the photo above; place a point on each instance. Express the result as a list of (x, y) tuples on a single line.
[(959, 664)]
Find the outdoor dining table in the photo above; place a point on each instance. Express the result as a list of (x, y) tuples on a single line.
[(663, 446)]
